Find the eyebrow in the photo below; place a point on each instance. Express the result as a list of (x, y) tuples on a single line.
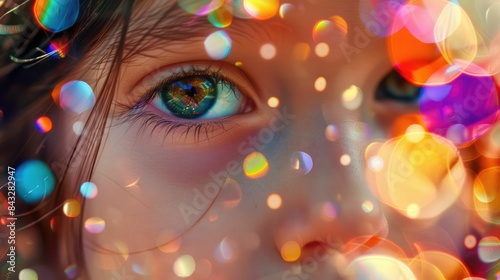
[(162, 25)]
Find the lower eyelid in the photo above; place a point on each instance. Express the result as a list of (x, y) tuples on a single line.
[(186, 132)]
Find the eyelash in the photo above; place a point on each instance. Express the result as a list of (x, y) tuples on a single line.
[(137, 112)]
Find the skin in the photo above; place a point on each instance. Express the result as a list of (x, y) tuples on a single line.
[(155, 192)]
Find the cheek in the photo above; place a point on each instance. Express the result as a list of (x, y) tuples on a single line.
[(146, 186)]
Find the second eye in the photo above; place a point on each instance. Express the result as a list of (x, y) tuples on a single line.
[(396, 88)]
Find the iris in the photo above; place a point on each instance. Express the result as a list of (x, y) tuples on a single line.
[(190, 97), (396, 88)]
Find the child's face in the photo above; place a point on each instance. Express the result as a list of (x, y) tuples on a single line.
[(174, 189)]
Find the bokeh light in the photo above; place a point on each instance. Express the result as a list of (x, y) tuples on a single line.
[(340, 24), (285, 8), (71, 271), (274, 201), (35, 181), (345, 159), (71, 208), (322, 49), (456, 37), (273, 102), (268, 51), (418, 179), (255, 165), (224, 251), (78, 127), (489, 144), (331, 132), (352, 98), (168, 243), (261, 9), (470, 241), (43, 124), (412, 211), (328, 31), (57, 50), (218, 45), (462, 110), (367, 206), (489, 249), (419, 20), (76, 97), (88, 190), (486, 194), (200, 7), (220, 18), (95, 225), (320, 84), (445, 266), (379, 267), (28, 274), (184, 266), (301, 162), (291, 251), (56, 16), (375, 163), (231, 194), (329, 211), (377, 15), (415, 133)]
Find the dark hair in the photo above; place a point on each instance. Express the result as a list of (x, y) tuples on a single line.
[(26, 94)]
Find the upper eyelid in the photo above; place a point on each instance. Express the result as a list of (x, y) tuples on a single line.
[(225, 72), (183, 73)]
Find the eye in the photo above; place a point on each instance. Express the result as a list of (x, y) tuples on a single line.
[(189, 100), (394, 87), (199, 96)]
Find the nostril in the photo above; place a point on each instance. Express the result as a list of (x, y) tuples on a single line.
[(319, 251)]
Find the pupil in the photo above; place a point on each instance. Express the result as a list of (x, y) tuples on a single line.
[(191, 91), (190, 97)]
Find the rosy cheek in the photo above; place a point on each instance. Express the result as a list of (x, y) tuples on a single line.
[(148, 185)]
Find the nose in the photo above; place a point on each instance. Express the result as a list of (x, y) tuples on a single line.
[(331, 204)]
